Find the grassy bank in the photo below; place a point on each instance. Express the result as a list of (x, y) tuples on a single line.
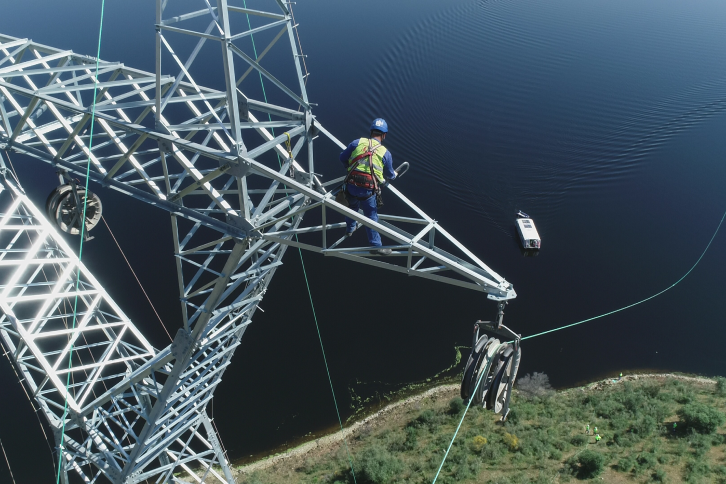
[(544, 439)]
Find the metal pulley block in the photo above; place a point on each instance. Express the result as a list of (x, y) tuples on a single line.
[(492, 365), (65, 207)]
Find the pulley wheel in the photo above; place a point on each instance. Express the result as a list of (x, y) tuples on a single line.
[(485, 364), (507, 374), (494, 352), (471, 365), (61, 208)]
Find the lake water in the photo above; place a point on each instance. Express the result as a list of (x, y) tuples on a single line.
[(603, 120)]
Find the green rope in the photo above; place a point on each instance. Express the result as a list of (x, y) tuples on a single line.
[(581, 322), (80, 250), (307, 283)]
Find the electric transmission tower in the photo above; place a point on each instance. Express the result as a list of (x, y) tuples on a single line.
[(235, 171)]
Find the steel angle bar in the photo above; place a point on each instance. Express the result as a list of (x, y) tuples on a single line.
[(269, 76), (396, 218), (34, 62), (187, 16), (466, 251), (307, 230), (259, 13), (296, 206), (262, 54), (17, 53), (293, 243), (275, 142), (187, 64), (296, 61), (14, 43), (274, 110), (329, 135), (107, 66), (188, 32), (283, 7), (258, 29)]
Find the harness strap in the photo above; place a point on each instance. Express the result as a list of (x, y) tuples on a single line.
[(369, 153)]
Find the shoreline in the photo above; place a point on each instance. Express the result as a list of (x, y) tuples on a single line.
[(326, 442)]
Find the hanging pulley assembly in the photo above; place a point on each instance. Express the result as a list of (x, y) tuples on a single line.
[(67, 204), (492, 366)]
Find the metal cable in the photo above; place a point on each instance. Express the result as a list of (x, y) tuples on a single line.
[(581, 322), (307, 283), (8, 462), (137, 278), (80, 251), (35, 410)]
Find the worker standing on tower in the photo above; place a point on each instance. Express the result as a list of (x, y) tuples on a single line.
[(369, 166)]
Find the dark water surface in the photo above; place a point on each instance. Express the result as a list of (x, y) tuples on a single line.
[(604, 120)]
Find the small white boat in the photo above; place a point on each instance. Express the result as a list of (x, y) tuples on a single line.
[(527, 232)]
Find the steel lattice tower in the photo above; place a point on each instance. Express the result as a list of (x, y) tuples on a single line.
[(208, 157)]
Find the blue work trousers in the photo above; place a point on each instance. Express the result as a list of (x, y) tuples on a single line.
[(370, 210)]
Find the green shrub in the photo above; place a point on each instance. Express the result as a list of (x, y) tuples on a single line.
[(696, 470), (409, 443), (626, 464), (456, 406), (651, 390), (468, 469), (608, 409), (701, 418), (658, 476), (721, 386), (645, 462), (253, 478), (428, 419), (376, 466), (579, 440), (492, 452), (686, 397), (587, 464), (700, 444)]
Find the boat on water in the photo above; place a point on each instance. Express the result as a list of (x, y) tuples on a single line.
[(528, 234)]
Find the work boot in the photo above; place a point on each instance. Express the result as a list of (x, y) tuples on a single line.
[(382, 252), (348, 234)]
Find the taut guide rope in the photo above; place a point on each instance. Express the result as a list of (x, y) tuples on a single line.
[(302, 262), (80, 251)]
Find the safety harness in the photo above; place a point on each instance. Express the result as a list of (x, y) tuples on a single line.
[(361, 179)]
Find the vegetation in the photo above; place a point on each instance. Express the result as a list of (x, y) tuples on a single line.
[(544, 439)]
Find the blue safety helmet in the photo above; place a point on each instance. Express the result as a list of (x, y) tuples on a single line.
[(379, 124)]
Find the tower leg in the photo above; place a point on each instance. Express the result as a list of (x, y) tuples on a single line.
[(60, 467), (214, 440)]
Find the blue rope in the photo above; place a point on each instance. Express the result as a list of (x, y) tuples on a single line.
[(80, 250), (307, 283), (581, 322)]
